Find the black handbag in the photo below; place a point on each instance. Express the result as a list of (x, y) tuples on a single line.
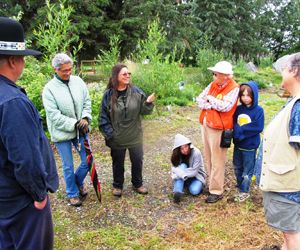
[(227, 135)]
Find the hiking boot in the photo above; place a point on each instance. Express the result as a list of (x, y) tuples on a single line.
[(243, 196), (177, 196), (212, 198), (117, 192), (75, 202), (82, 191), (140, 190)]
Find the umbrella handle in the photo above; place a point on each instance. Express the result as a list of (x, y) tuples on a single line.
[(78, 143)]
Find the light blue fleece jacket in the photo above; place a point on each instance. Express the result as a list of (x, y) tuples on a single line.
[(61, 112)]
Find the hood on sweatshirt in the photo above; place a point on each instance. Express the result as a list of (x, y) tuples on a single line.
[(180, 140), (253, 85)]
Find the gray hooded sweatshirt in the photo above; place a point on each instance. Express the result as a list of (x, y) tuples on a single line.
[(196, 168)]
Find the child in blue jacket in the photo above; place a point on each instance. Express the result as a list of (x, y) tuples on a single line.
[(248, 124)]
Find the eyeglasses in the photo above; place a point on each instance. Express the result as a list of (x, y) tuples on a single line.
[(125, 74), (66, 71)]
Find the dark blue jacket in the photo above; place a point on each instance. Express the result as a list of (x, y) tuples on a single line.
[(247, 136), (27, 164)]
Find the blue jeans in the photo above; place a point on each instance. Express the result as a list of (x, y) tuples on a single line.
[(72, 180), (194, 185), (244, 162)]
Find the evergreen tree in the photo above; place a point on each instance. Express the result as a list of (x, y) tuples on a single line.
[(230, 25), (283, 36)]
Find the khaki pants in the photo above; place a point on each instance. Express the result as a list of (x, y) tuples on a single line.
[(215, 158)]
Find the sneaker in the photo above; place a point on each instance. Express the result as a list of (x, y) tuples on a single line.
[(140, 190), (212, 198), (236, 196), (117, 192), (243, 196), (272, 248), (177, 196), (82, 191), (75, 202)]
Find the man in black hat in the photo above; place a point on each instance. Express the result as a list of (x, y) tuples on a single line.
[(27, 165)]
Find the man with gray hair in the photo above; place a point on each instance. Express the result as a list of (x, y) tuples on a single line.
[(27, 165)]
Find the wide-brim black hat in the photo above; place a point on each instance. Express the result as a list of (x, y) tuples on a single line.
[(12, 39)]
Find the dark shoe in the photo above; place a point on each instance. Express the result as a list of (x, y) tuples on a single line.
[(141, 190), (272, 248), (205, 191), (75, 202), (177, 196), (82, 191), (212, 198), (117, 192)]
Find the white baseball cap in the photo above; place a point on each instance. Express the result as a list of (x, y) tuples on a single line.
[(222, 67)]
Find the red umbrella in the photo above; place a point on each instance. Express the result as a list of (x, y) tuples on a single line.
[(92, 167)]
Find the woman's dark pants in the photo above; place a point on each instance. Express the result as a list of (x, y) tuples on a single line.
[(136, 158)]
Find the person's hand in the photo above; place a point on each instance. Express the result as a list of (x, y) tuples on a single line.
[(151, 98), (206, 98), (85, 130), (82, 124), (40, 205)]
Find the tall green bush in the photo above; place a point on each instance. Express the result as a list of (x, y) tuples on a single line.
[(160, 75), (107, 59)]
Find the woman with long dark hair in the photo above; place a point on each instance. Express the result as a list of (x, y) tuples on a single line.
[(120, 123), (187, 167)]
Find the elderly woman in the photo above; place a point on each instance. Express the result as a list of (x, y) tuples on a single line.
[(278, 162), (218, 102), (68, 109), (120, 123)]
